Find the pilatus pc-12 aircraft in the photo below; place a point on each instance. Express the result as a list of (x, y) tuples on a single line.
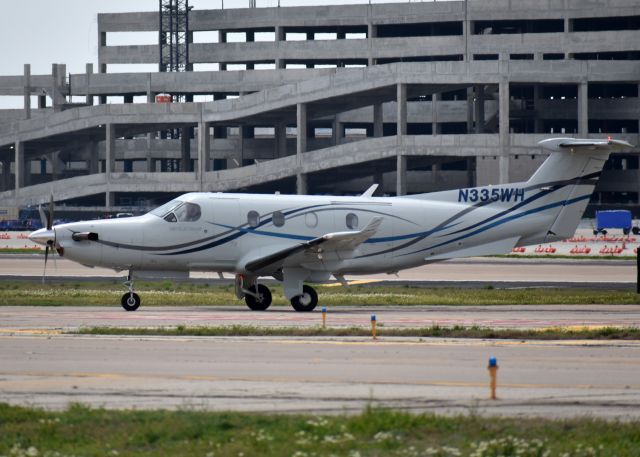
[(300, 238)]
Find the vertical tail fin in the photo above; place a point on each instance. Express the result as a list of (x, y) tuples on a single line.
[(570, 174)]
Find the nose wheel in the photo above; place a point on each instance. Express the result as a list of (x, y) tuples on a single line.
[(131, 300)]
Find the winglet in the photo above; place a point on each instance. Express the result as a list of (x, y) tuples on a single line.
[(369, 192)]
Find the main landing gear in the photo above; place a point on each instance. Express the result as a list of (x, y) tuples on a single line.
[(258, 296), (131, 300)]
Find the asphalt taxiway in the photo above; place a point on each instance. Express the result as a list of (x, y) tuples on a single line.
[(41, 366), (68, 318), (509, 271), (552, 379)]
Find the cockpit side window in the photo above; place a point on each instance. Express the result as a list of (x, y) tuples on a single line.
[(178, 211), (189, 212)]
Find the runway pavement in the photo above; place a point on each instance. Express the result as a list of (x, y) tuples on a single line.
[(474, 270), (552, 379), (25, 318)]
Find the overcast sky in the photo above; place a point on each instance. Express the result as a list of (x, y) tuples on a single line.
[(42, 32)]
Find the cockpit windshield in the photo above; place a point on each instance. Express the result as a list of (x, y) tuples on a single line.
[(178, 211)]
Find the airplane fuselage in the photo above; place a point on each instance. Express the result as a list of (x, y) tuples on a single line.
[(232, 227)]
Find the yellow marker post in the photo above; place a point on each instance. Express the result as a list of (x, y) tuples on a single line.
[(493, 373), (373, 326), (324, 317)]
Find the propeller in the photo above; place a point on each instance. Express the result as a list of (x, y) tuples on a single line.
[(47, 221)]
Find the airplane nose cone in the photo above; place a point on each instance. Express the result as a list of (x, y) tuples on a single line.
[(43, 236)]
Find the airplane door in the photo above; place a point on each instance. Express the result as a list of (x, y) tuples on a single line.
[(226, 221)]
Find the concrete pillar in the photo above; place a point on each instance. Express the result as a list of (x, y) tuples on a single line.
[(301, 184), (378, 179), (337, 131), (301, 146), (537, 122), (204, 151), (6, 175), (301, 124), (280, 36), (377, 120), (372, 31), (583, 109), (280, 140), (185, 149), (470, 106), (470, 172), (401, 175), (26, 83), (20, 165), (222, 38), (434, 113), (435, 172), (250, 38), (93, 159), (110, 150), (401, 103), (88, 97), (109, 200), (479, 108), (102, 42), (504, 130)]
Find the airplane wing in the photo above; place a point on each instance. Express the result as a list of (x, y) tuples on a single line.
[(331, 242)]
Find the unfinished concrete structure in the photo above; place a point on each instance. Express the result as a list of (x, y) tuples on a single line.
[(328, 99)]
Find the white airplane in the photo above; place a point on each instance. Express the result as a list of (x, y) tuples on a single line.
[(299, 238)]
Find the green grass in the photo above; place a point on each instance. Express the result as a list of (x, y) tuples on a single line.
[(555, 333), (21, 251), (183, 294), (375, 432)]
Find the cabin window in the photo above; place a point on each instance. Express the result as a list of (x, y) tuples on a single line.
[(278, 219), (189, 212), (311, 219), (352, 221), (253, 218)]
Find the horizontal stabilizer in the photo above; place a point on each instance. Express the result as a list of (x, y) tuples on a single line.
[(571, 144)]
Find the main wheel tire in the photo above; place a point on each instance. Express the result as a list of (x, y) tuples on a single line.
[(635, 230), (261, 303), (307, 301), (130, 301)]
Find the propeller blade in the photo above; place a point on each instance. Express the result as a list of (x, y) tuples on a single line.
[(50, 219), (43, 216), (46, 256)]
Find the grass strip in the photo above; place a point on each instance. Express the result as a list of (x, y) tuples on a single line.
[(202, 294), (80, 430), (553, 333)]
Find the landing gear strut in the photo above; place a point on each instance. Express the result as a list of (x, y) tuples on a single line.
[(307, 301), (256, 296), (131, 300)]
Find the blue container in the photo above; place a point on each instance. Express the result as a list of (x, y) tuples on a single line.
[(620, 219)]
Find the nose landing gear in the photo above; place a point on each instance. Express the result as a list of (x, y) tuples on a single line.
[(131, 300)]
